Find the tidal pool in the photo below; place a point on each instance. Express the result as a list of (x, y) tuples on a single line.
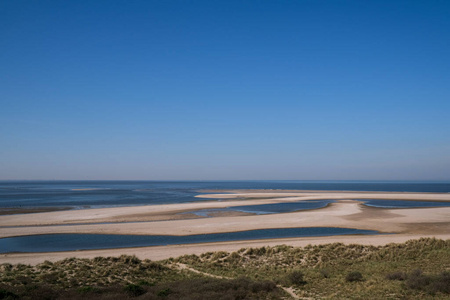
[(70, 242), (272, 208), (382, 203)]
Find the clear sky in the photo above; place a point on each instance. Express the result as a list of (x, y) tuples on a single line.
[(200, 90)]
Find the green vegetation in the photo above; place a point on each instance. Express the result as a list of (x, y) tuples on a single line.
[(430, 283), (417, 269), (354, 276), (296, 278)]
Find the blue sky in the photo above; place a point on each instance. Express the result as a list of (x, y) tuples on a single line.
[(199, 90)]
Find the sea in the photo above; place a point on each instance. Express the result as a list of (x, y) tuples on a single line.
[(99, 194)]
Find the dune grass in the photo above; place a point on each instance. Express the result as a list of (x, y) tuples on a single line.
[(417, 269)]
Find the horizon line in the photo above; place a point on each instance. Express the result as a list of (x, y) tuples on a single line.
[(215, 180)]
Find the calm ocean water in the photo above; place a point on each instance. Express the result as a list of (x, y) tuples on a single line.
[(70, 242), (87, 194)]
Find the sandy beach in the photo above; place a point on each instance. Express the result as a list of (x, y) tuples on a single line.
[(177, 219)]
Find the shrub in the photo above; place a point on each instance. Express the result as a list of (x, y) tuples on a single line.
[(134, 290), (50, 277), (155, 266), (233, 258), (354, 276), (132, 260), (263, 286), (325, 273), (164, 292), (296, 278), (397, 276), (431, 284), (417, 280), (43, 291), (6, 267), (440, 283), (4, 294), (145, 282), (219, 255), (86, 289), (211, 288)]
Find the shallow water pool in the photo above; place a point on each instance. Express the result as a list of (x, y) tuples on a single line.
[(70, 242)]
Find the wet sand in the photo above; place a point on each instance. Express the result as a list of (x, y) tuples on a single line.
[(175, 219), (20, 210)]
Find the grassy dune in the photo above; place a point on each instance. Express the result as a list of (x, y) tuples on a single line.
[(417, 269)]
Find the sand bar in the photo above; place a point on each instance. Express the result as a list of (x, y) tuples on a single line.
[(405, 224), (154, 212)]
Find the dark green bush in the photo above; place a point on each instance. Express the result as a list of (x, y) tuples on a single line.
[(7, 295), (397, 276), (296, 277), (354, 276), (50, 277), (440, 283), (218, 289), (155, 266), (88, 289), (263, 286), (164, 292), (134, 290), (417, 280), (429, 283), (145, 283), (127, 259)]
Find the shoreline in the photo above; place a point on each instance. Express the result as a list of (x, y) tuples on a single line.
[(251, 194), (343, 213), (281, 191), (231, 199), (156, 253), (6, 211), (403, 223)]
